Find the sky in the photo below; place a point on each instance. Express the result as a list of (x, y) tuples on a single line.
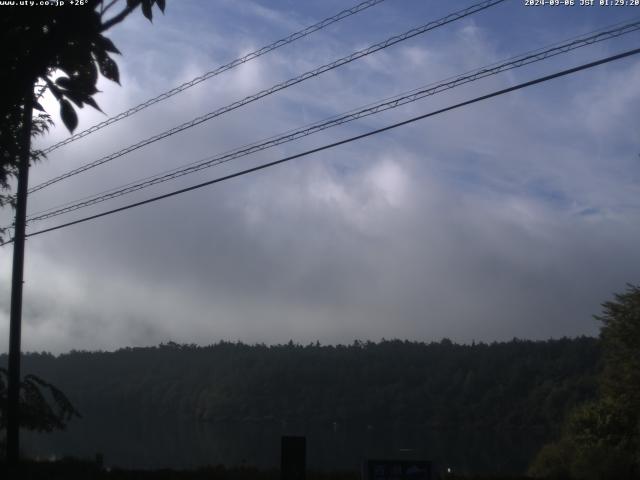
[(514, 217)]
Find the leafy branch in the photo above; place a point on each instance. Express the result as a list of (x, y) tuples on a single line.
[(47, 43), (43, 406)]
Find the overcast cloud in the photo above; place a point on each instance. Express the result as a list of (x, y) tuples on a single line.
[(511, 218)]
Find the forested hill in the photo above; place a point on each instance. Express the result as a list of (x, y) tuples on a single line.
[(499, 385)]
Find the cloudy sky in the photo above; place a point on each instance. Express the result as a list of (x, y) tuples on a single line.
[(515, 217)]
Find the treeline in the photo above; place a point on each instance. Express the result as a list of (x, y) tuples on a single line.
[(516, 384)]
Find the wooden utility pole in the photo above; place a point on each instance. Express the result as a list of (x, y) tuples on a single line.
[(15, 322)]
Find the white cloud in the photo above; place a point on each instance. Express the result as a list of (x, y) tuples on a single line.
[(484, 223)]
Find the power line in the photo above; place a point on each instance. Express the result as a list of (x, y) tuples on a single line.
[(228, 66), (281, 86), (342, 142), (387, 104)]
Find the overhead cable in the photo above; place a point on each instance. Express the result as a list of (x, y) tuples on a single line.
[(387, 104), (452, 17), (223, 68), (342, 142)]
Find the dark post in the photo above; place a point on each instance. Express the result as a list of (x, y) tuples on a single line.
[(293, 461), (15, 322)]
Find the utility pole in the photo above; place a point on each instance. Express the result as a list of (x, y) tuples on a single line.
[(15, 322)]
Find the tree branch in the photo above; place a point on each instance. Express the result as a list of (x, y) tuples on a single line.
[(104, 9), (118, 18), (42, 89)]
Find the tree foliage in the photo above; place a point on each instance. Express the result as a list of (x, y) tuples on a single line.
[(62, 50), (441, 385), (601, 439), (483, 404), (59, 49), (620, 335), (43, 406)]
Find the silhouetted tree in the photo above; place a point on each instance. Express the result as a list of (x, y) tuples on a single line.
[(601, 439), (620, 335), (42, 42), (43, 407), (62, 50)]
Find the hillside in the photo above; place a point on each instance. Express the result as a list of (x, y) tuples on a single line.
[(513, 384), (236, 393)]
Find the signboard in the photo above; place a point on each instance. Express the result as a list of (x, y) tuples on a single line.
[(397, 470)]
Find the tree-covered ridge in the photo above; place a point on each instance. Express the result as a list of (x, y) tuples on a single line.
[(499, 385)]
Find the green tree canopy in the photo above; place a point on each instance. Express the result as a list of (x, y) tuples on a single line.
[(620, 335), (601, 439)]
